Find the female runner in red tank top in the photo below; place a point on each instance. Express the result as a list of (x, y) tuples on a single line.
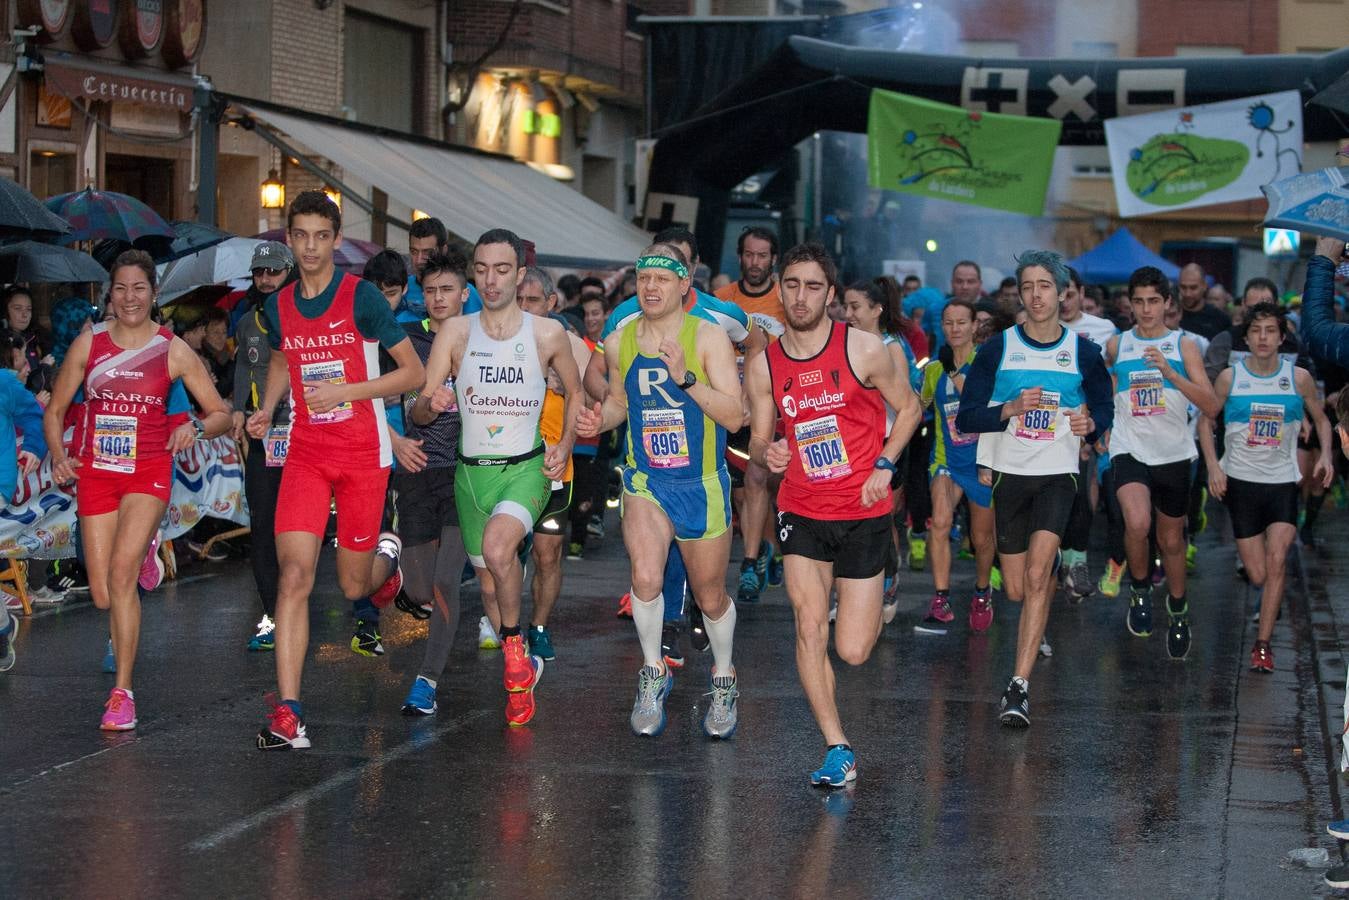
[(124, 465)]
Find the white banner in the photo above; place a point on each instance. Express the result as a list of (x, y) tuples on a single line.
[(1202, 155), (208, 480)]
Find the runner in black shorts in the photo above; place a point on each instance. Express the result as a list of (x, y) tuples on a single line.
[(433, 554), (1264, 398), (1158, 375), (829, 385), (1036, 391)]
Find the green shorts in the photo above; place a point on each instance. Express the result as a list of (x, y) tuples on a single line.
[(518, 490)]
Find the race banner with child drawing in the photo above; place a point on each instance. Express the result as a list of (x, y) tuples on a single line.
[(208, 481), (1202, 155)]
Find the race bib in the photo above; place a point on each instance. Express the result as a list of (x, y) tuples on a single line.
[(115, 443), (820, 445), (277, 445), (664, 438), (949, 409), (331, 371), (1038, 424), (1145, 393), (1266, 425)]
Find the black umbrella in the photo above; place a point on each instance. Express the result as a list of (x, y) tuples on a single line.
[(193, 237), (23, 215), (1336, 96), (34, 263), (189, 238)]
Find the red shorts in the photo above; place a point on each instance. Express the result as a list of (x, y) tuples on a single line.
[(98, 491), (307, 488)]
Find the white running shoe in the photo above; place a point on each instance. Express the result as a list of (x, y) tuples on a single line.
[(45, 596), (488, 639)]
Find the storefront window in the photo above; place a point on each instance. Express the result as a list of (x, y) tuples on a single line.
[(383, 72), (51, 172)]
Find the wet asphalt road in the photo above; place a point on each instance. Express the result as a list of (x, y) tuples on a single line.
[(1139, 775)]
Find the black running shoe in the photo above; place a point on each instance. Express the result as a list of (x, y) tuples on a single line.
[(669, 646), (697, 630), (1014, 710), (71, 577), (1178, 634), (366, 640), (1139, 621), (416, 610)]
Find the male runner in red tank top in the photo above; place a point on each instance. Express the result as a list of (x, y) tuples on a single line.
[(325, 331), (830, 384)]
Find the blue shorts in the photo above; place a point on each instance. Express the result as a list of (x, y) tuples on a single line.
[(980, 495), (699, 508)]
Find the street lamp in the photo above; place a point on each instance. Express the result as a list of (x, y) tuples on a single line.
[(273, 192)]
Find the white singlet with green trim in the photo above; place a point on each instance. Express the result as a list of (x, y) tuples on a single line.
[(500, 388)]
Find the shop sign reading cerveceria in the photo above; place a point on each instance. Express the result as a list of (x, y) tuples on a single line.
[(107, 87)]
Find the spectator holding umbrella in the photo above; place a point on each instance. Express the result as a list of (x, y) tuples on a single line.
[(1329, 340)]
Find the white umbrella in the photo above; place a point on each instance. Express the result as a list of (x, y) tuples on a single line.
[(216, 264)]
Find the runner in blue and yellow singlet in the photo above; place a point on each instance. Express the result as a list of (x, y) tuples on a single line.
[(673, 380)]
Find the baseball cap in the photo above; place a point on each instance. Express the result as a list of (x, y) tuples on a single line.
[(272, 255)]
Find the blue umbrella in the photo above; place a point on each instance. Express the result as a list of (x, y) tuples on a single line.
[(1314, 202), (107, 214)]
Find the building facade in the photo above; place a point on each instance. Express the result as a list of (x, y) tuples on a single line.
[(100, 93), (558, 84), (374, 62)]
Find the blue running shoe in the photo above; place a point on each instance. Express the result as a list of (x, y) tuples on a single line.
[(1339, 829), (775, 568), (421, 699), (265, 639), (748, 589), (761, 564), (840, 767), (109, 660), (541, 643)]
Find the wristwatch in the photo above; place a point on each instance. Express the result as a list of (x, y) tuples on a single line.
[(199, 428), (884, 462), (689, 380)]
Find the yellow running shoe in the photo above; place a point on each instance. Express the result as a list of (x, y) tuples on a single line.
[(1110, 579)]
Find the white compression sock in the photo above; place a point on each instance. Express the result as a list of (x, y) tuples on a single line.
[(649, 616), (721, 635)]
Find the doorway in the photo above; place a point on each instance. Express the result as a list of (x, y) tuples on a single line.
[(146, 178)]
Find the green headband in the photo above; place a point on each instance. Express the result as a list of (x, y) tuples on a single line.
[(663, 262)]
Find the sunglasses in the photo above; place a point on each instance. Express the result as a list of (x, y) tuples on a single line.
[(272, 272)]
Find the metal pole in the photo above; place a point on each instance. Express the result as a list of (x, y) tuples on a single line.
[(207, 108)]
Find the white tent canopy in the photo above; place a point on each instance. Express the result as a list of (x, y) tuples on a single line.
[(473, 192)]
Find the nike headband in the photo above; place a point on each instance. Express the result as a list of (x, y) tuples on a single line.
[(663, 262)]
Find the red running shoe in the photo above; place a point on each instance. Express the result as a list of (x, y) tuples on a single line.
[(284, 730), (981, 612), (625, 607), (391, 547), (520, 705), (1262, 658), (520, 673)]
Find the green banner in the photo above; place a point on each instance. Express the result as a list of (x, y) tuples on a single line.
[(984, 159)]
